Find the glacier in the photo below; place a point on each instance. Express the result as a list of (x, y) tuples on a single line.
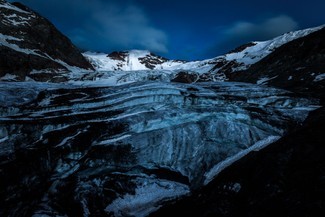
[(145, 142)]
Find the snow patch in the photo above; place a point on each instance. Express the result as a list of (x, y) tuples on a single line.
[(12, 7), (4, 139), (4, 42), (8, 77), (265, 80), (319, 77)]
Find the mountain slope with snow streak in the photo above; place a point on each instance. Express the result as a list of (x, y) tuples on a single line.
[(32, 48), (298, 66)]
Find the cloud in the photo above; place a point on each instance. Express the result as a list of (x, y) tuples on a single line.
[(104, 25), (243, 32), (121, 26), (267, 29)]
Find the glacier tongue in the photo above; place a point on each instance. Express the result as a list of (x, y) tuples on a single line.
[(112, 144)]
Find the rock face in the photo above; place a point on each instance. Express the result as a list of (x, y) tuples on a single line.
[(124, 150), (31, 46)]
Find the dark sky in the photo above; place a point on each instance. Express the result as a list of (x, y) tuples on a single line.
[(177, 29)]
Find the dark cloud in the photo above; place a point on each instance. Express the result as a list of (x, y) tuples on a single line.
[(182, 29), (104, 25), (122, 26), (267, 29), (243, 32)]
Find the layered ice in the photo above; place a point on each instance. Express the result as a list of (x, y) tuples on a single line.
[(136, 145)]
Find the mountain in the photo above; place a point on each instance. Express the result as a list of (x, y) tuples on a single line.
[(129, 61), (298, 65), (216, 69), (225, 67), (32, 48)]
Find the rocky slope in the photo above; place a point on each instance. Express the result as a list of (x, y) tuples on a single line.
[(31, 47)]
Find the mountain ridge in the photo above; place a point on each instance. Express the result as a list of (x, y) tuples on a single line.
[(219, 68)]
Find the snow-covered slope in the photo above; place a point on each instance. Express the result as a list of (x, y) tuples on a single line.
[(260, 49), (244, 56), (298, 66), (211, 69), (132, 60)]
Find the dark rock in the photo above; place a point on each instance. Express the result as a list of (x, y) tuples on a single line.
[(118, 55), (242, 47), (185, 77), (151, 60)]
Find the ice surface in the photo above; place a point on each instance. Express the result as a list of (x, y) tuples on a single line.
[(169, 137), (148, 197)]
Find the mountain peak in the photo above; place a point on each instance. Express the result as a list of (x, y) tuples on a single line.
[(131, 60)]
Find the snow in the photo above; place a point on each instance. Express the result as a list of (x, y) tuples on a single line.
[(319, 77), (103, 63), (113, 140), (147, 198), (8, 77), (132, 63), (12, 7), (214, 171), (4, 139), (244, 59), (253, 54), (76, 72), (15, 20), (265, 80), (67, 139), (4, 42)]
